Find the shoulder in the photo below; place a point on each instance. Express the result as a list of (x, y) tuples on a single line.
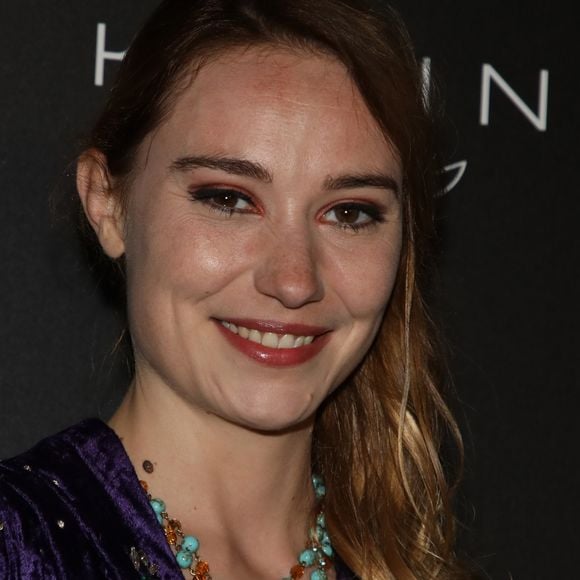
[(36, 475), (53, 497)]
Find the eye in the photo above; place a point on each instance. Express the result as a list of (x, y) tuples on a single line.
[(354, 216), (223, 200)]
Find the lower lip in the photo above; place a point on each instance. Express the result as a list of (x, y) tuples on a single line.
[(276, 357)]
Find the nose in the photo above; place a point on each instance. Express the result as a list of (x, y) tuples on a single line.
[(289, 269)]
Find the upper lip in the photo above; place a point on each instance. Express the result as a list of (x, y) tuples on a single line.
[(278, 327)]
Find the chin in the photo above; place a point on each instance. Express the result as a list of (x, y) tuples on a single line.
[(274, 421)]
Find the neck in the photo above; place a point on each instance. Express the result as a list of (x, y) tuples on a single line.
[(233, 487)]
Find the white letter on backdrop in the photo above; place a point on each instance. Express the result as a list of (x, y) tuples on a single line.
[(103, 54), (539, 120)]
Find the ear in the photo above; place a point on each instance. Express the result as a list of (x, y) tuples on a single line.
[(102, 207)]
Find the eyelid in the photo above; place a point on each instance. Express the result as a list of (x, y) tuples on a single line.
[(214, 189), (375, 211), (205, 193), (375, 216)]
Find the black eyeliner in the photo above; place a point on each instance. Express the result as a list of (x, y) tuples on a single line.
[(204, 193)]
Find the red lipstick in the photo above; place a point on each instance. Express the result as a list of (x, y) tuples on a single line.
[(276, 356), (278, 327)]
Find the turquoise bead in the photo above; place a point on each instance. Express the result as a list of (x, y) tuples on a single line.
[(321, 520), (317, 480), (184, 559), (327, 549), (157, 505), (320, 491), (318, 574), (307, 557), (159, 518), (190, 544)]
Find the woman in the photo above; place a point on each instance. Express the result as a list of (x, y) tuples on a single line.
[(262, 175)]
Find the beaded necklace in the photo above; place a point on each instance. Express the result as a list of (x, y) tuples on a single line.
[(317, 553)]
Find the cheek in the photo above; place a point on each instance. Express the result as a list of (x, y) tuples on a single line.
[(184, 257), (365, 278)]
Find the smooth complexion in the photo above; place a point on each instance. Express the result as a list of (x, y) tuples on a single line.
[(266, 200)]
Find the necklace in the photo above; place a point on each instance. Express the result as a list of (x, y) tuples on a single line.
[(317, 553)]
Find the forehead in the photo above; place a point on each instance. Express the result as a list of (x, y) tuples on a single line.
[(275, 104)]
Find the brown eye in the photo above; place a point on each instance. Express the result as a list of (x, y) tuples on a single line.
[(223, 200), (226, 200), (347, 215), (354, 216)]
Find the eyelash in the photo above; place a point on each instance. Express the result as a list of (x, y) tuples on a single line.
[(207, 196), (376, 216)]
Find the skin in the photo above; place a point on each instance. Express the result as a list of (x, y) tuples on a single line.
[(230, 437)]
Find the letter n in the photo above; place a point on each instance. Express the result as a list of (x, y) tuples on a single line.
[(539, 120)]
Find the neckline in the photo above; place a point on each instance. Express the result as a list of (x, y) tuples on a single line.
[(127, 492), (168, 566)]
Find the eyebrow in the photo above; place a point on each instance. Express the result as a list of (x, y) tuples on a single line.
[(234, 166), (254, 170), (360, 180)]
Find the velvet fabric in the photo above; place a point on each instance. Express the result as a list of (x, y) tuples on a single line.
[(72, 507)]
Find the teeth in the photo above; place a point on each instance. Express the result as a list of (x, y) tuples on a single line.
[(287, 341), (255, 336), (269, 339)]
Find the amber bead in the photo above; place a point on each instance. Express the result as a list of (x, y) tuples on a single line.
[(144, 485), (171, 536), (297, 571), (201, 568)]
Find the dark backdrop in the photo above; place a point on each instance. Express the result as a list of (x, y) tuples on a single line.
[(508, 280)]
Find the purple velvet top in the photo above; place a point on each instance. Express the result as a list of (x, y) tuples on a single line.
[(73, 507)]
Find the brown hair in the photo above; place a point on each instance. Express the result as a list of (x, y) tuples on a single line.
[(378, 438)]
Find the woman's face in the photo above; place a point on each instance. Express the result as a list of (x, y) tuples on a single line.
[(262, 238)]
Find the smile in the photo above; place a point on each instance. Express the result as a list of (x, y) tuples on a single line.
[(269, 339), (273, 343)]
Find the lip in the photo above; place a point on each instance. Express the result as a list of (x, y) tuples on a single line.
[(277, 357), (278, 327)]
